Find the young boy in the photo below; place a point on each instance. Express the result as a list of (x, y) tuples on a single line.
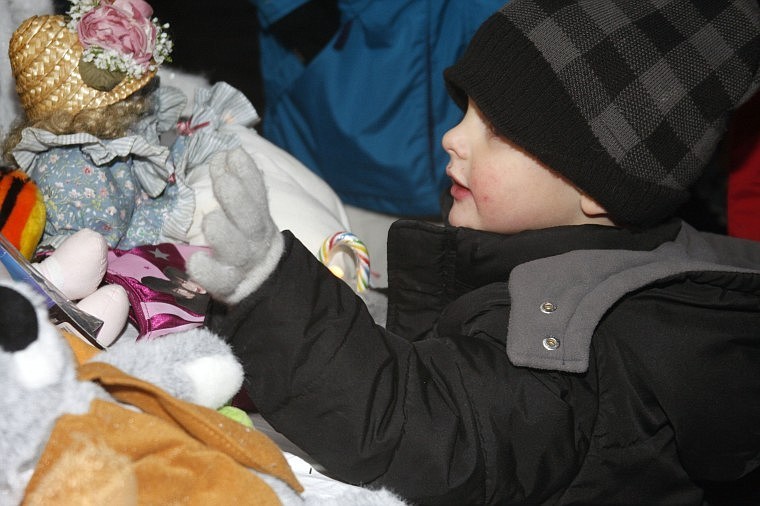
[(565, 340)]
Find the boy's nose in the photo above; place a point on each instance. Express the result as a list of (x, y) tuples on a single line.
[(453, 144)]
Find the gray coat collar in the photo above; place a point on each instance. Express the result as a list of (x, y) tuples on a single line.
[(558, 301)]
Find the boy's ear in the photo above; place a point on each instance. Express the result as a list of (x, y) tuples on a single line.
[(592, 208)]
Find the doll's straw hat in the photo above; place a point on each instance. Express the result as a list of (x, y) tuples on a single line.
[(45, 56)]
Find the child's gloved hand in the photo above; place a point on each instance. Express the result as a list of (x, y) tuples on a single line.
[(246, 244)]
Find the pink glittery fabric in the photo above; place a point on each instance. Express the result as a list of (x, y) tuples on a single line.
[(162, 298)]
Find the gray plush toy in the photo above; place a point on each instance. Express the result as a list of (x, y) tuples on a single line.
[(39, 384)]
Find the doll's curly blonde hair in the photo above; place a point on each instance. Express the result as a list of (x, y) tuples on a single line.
[(107, 122), (45, 56)]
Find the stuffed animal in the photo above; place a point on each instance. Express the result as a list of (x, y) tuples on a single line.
[(22, 211), (139, 423), (144, 410)]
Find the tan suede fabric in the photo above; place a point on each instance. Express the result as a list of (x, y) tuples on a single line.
[(82, 351), (182, 453)]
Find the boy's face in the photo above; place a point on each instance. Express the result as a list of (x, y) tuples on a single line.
[(498, 187)]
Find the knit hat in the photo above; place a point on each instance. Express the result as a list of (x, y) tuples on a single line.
[(100, 54), (627, 99)]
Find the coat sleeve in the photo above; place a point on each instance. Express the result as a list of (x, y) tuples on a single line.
[(438, 420)]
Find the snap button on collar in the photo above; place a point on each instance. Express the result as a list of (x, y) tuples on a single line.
[(548, 307), (551, 343)]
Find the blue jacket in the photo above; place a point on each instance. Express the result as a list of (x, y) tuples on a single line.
[(368, 112)]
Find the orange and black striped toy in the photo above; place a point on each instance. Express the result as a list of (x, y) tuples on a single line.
[(22, 211)]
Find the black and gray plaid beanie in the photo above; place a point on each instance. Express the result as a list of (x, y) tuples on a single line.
[(626, 99)]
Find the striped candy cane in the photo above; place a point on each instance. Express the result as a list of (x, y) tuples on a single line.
[(347, 241)]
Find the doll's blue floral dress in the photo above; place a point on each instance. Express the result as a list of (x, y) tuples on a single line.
[(134, 190)]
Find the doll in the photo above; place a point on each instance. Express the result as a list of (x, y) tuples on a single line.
[(109, 161), (93, 115), (103, 139), (91, 135)]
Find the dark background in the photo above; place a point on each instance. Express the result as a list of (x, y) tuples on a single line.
[(218, 39)]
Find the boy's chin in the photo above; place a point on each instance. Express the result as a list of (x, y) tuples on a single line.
[(452, 218), (457, 218)]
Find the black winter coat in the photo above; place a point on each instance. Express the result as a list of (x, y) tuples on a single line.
[(573, 365)]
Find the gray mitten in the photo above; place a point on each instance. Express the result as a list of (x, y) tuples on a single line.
[(246, 244)]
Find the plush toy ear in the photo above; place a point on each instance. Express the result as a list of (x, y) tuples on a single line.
[(18, 320)]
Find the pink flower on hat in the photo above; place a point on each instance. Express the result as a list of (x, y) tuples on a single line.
[(134, 6), (123, 26)]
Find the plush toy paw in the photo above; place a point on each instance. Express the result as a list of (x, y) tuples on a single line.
[(203, 368), (102, 476)]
